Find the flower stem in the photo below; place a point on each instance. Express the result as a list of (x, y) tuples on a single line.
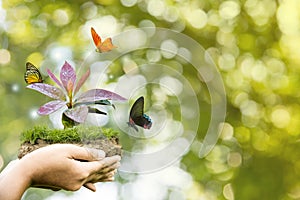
[(67, 122)]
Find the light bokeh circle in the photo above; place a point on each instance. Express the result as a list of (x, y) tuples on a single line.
[(136, 79)]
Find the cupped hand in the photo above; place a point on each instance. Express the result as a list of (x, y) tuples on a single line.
[(57, 166), (66, 166)]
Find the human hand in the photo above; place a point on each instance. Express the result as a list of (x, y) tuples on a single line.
[(65, 166), (57, 166)]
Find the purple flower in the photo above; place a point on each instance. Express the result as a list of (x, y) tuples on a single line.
[(76, 109)]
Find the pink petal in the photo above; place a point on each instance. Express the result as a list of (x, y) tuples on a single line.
[(81, 81), (78, 114), (53, 77), (48, 90), (70, 87), (98, 94), (67, 76), (51, 107)]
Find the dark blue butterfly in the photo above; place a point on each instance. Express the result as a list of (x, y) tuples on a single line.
[(137, 116)]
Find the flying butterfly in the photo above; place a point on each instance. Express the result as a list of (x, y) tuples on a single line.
[(104, 46), (32, 74), (137, 116)]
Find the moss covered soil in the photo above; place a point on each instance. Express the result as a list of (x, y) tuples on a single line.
[(105, 139)]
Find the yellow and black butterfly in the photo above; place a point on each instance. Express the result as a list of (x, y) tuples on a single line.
[(32, 74)]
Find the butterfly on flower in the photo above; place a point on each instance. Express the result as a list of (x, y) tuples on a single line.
[(137, 116), (104, 46), (32, 74)]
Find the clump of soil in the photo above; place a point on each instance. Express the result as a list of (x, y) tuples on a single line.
[(92, 137)]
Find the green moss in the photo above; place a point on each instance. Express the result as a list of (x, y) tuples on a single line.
[(70, 135), (93, 132)]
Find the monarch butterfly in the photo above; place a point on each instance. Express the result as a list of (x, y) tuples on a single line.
[(137, 116), (32, 74), (104, 46)]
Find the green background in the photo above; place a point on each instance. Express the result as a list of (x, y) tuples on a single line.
[(255, 45)]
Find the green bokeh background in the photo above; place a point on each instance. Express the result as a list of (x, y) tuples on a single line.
[(255, 45)]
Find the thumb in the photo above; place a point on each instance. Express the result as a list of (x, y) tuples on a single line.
[(96, 154), (87, 154)]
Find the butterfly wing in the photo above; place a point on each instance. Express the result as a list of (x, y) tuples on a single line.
[(106, 45), (32, 74), (137, 110), (137, 116), (96, 38)]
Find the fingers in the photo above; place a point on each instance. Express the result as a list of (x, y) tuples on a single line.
[(90, 186), (110, 168), (103, 170), (99, 167), (96, 154), (103, 166), (86, 154), (108, 177)]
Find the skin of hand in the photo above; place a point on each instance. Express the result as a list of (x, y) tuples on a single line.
[(57, 166)]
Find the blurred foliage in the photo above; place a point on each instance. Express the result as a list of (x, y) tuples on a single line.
[(255, 45)]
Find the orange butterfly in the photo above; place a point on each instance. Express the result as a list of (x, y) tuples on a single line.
[(104, 46)]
